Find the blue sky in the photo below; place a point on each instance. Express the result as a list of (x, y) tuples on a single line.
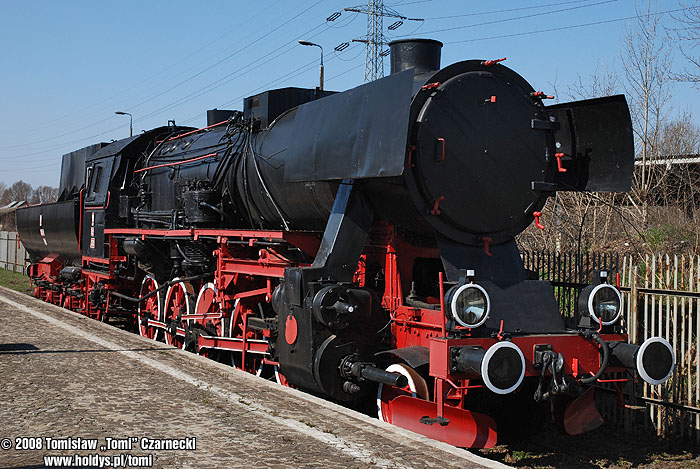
[(67, 66)]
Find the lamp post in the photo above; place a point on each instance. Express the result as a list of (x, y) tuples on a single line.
[(308, 43), (131, 121)]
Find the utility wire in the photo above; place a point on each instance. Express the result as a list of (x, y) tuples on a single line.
[(301, 70), (298, 71), (152, 97), (228, 57), (178, 102), (508, 10), (401, 4), (485, 23), (548, 30), (233, 75), (81, 112)]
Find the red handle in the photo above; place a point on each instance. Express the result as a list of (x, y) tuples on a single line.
[(559, 156), (488, 63), (540, 94), (442, 156), (430, 86), (487, 242), (436, 205), (537, 216), (411, 149)]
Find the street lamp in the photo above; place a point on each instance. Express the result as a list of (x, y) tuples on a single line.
[(131, 121), (308, 43)]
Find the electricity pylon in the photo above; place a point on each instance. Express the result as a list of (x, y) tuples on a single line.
[(376, 11)]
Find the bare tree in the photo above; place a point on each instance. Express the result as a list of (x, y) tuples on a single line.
[(604, 81), (686, 34), (679, 187), (18, 191), (646, 59), (584, 221), (44, 195), (679, 137)]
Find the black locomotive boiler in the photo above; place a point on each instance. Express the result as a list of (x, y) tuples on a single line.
[(358, 244)]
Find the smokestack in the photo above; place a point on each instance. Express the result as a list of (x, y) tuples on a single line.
[(421, 54)]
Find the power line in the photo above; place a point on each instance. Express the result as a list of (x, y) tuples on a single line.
[(152, 97), (410, 3), (237, 73), (508, 10), (485, 23), (80, 112), (333, 77), (294, 73), (224, 59), (190, 97), (233, 75), (594, 23)]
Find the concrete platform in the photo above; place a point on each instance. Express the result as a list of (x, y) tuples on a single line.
[(65, 376)]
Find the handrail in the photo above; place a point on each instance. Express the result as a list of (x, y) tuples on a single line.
[(175, 163)]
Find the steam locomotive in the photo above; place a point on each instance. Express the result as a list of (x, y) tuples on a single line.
[(358, 244)]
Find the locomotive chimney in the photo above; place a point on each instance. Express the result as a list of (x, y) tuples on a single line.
[(421, 54)]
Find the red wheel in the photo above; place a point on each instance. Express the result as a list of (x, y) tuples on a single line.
[(416, 387), (208, 306), (254, 364), (177, 303), (149, 309)]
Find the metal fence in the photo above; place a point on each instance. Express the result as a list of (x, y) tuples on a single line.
[(661, 297), (569, 274), (12, 253)]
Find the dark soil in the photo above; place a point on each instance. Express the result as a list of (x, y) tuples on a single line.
[(607, 447)]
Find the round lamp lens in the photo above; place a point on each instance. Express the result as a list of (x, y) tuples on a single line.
[(470, 305), (605, 304)]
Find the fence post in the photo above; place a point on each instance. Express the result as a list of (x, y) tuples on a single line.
[(3, 249), (634, 313)]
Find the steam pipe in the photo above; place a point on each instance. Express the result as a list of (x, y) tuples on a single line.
[(378, 375), (370, 372), (605, 356)]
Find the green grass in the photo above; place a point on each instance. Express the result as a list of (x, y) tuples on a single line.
[(668, 237), (15, 281)]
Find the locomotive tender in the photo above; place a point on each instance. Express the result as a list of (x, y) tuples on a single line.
[(358, 243)]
